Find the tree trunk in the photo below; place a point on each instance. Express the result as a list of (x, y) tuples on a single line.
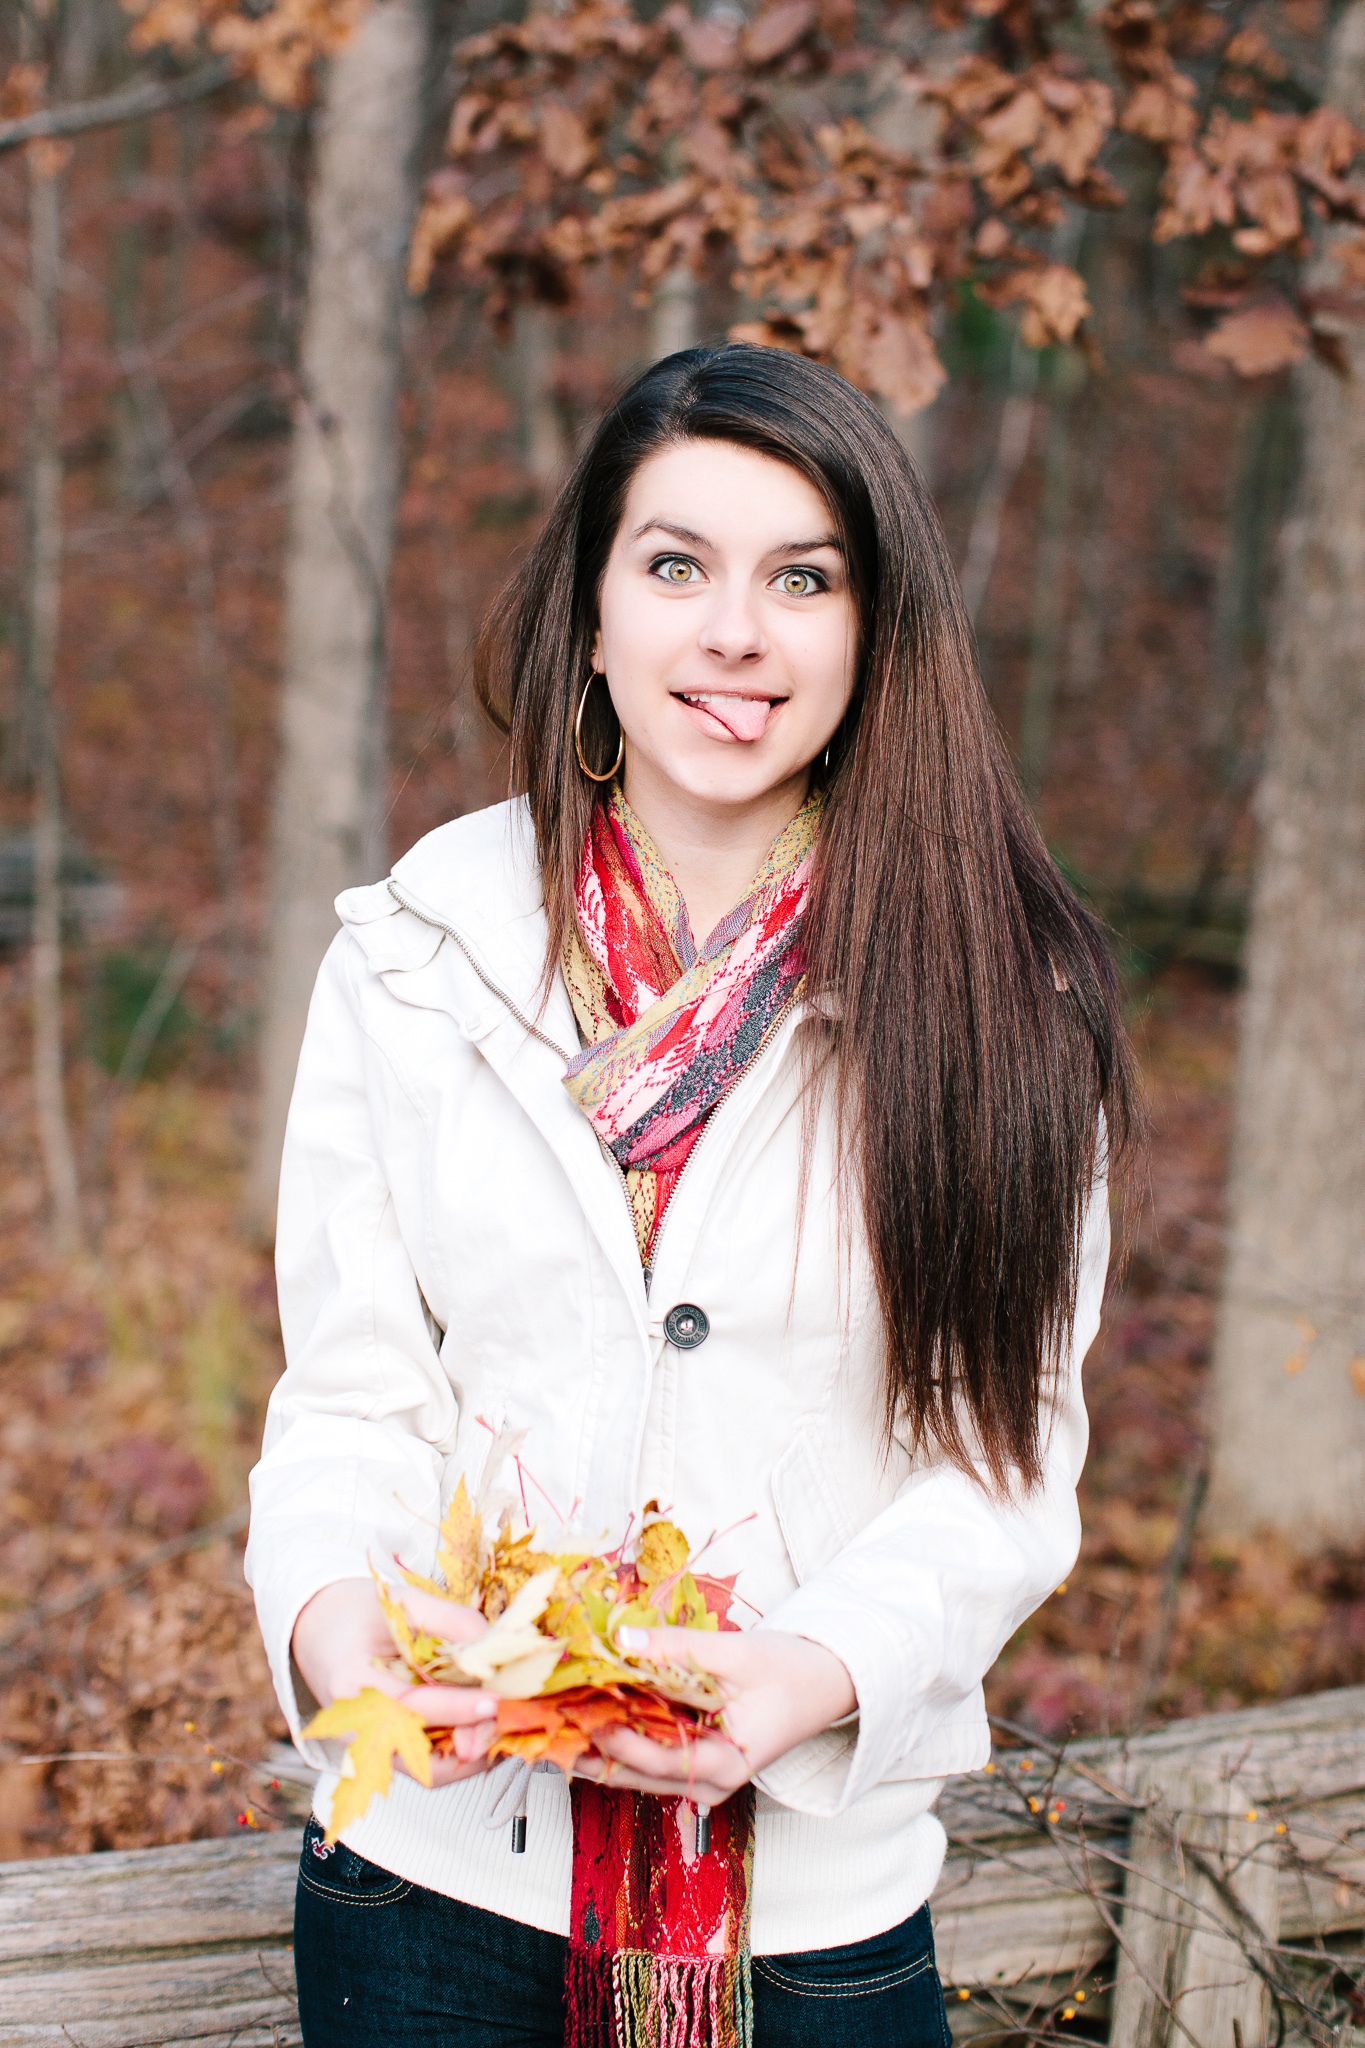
[(544, 444), (41, 627), (330, 796), (674, 315), (1016, 430), (1289, 1370), (172, 474), (134, 453), (1049, 581)]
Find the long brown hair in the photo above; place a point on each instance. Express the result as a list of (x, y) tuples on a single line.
[(978, 1034)]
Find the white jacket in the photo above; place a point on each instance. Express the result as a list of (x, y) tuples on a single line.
[(456, 1255)]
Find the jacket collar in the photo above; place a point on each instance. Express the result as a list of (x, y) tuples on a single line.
[(478, 879)]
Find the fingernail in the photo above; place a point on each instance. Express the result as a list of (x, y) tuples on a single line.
[(633, 1640)]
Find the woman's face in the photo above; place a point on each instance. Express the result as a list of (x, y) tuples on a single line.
[(726, 630)]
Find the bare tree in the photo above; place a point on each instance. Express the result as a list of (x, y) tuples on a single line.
[(1289, 1444), (544, 443), (42, 610), (674, 316), (43, 603), (330, 796)]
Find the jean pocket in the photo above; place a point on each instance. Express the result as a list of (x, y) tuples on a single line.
[(805, 1976), (862, 1969), (332, 1871)]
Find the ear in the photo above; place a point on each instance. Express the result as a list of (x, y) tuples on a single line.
[(596, 655)]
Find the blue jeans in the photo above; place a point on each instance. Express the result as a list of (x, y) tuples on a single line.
[(384, 1964)]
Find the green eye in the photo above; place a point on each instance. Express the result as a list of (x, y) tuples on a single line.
[(799, 583)]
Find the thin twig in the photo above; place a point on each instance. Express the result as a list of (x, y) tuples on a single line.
[(175, 1546), (1158, 1653), (128, 103)]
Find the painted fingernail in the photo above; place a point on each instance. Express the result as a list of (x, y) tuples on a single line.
[(633, 1640)]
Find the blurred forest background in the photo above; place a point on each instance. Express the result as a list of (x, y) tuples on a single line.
[(182, 273)]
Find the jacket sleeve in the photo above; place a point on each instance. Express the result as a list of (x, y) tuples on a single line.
[(920, 1603), (358, 1428)]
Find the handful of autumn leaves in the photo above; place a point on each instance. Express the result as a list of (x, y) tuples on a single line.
[(550, 1653)]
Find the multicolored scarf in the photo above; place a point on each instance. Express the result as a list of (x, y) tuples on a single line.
[(659, 1935), (668, 1028)]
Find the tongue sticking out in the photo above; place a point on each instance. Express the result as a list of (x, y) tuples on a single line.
[(744, 717)]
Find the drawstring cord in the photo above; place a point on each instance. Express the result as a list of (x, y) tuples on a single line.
[(509, 1787)]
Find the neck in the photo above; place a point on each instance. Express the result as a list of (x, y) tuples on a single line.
[(713, 851)]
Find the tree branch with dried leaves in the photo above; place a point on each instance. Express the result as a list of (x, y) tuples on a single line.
[(594, 135)]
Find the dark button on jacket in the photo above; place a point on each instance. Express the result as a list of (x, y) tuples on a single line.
[(686, 1325)]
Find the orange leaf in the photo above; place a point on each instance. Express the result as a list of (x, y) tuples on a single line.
[(719, 1596), (899, 361), (779, 29), (565, 142), (21, 91), (1260, 339)]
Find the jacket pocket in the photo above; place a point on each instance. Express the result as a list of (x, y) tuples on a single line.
[(814, 1523)]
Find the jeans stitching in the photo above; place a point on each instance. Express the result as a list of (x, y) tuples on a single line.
[(861, 1987), (398, 1890)]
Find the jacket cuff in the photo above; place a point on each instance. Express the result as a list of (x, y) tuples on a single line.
[(292, 1585), (827, 1773)]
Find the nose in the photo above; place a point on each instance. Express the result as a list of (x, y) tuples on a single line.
[(731, 631)]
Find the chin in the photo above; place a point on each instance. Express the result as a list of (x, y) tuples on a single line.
[(745, 782)]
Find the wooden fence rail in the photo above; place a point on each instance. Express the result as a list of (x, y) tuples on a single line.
[(1193, 1888)]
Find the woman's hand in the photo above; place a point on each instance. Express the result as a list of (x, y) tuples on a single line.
[(342, 1631), (782, 1690)]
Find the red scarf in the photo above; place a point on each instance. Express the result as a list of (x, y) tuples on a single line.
[(659, 1935), (668, 1026)]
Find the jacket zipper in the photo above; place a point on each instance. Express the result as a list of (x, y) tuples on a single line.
[(646, 1268)]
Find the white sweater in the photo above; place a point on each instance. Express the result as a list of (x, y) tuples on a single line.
[(455, 1251)]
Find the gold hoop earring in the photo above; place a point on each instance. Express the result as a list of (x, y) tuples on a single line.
[(578, 738)]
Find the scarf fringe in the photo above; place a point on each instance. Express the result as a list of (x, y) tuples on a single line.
[(634, 2000)]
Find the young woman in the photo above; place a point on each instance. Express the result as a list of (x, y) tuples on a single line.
[(722, 1123)]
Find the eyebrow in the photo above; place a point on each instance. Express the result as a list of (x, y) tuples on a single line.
[(699, 540)]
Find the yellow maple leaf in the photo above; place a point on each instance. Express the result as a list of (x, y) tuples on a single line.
[(419, 1649), (380, 1729), (457, 1553), (686, 1607)]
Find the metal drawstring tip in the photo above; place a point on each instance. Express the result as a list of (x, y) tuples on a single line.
[(703, 1814), (519, 1835)]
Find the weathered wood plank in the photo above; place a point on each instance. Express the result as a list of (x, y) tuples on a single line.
[(189, 1944), (1298, 1750), (1201, 1906), (246, 1999), (1322, 1891), (188, 1897), (999, 1918)]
